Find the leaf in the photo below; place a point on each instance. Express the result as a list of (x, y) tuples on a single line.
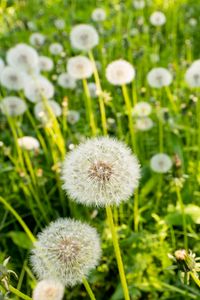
[(20, 239)]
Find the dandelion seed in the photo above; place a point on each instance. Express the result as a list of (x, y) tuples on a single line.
[(55, 48), (80, 67), (84, 37), (157, 18), (120, 72), (45, 63), (38, 88), (159, 77), (66, 81), (48, 289), (142, 109), (161, 163), (28, 143), (13, 106), (98, 15), (101, 171), (66, 251), (37, 39)]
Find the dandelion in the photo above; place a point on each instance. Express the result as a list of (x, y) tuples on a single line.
[(66, 251), (13, 106), (120, 72), (48, 289), (73, 116), (101, 171), (157, 18), (98, 15), (45, 63), (192, 75), (142, 109), (12, 79), (59, 23), (161, 163), (84, 37), (159, 77), (42, 113), (28, 143), (80, 67), (39, 88), (193, 22), (144, 124), (55, 48), (92, 89), (2, 65), (138, 4), (66, 81), (23, 57), (37, 39)]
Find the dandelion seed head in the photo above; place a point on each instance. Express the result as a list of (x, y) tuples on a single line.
[(66, 81), (159, 77), (80, 67), (144, 124), (157, 18), (13, 106), (55, 48), (12, 79), (161, 163), (101, 171), (59, 23), (192, 75), (142, 109), (73, 116), (42, 113), (28, 143), (66, 251), (138, 4), (84, 37), (98, 15), (120, 72), (37, 39), (45, 63), (38, 88), (48, 289)]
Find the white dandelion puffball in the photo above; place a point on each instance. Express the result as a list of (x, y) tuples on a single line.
[(37, 39), (84, 37), (12, 79), (23, 57), (55, 48), (142, 109), (45, 63), (66, 251), (101, 171), (39, 88), (192, 75), (28, 143), (161, 163), (120, 72), (80, 67), (98, 15), (13, 106), (2, 65), (157, 18), (73, 116), (159, 77), (48, 289), (93, 89), (66, 81), (138, 4), (59, 23), (41, 110), (144, 124)]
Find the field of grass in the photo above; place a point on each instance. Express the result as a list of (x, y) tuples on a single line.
[(149, 243)]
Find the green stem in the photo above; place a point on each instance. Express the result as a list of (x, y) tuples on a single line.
[(88, 289), (195, 278), (117, 253), (18, 293), (19, 219), (183, 216)]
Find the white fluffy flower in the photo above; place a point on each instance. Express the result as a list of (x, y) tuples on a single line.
[(80, 67), (48, 289), (66, 251), (23, 57), (12, 78), (120, 72), (28, 143), (161, 163), (37, 39), (59, 23), (192, 75), (142, 109), (144, 124), (38, 88), (66, 81), (98, 15), (138, 4), (93, 89), (2, 65), (101, 171), (55, 48), (159, 77), (13, 106), (45, 63), (73, 116), (84, 37), (157, 18), (41, 110)]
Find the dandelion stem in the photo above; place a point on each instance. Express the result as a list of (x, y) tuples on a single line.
[(88, 289), (117, 253), (18, 293), (178, 193), (19, 219), (195, 278)]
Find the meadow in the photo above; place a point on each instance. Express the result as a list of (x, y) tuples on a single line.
[(99, 149)]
